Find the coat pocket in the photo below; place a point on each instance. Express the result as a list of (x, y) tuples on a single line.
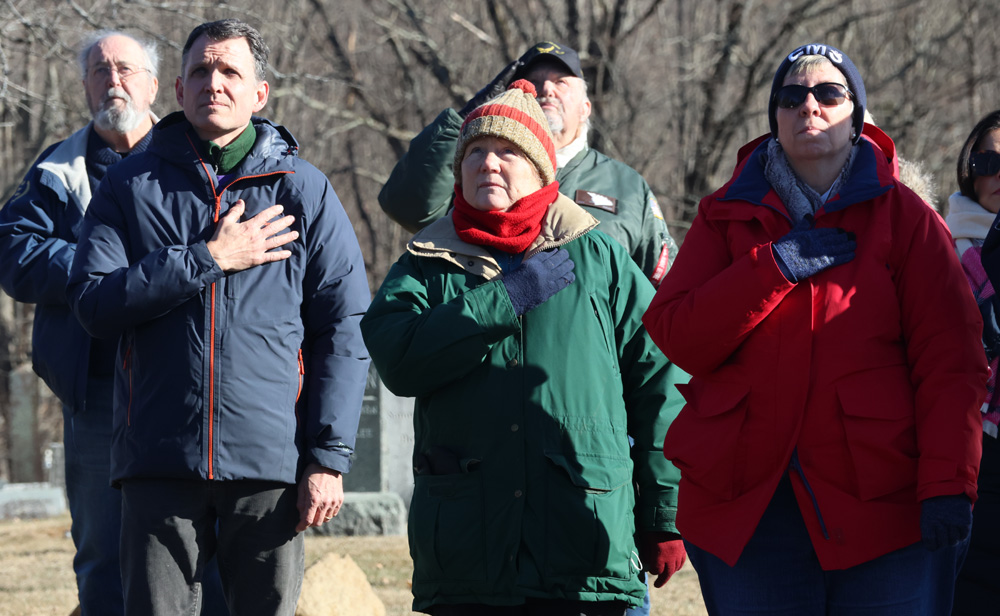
[(589, 528), (603, 318), (704, 442), (446, 528), (879, 422)]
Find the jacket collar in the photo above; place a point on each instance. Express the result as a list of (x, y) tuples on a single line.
[(564, 221), (874, 172), (174, 139), (68, 162), (568, 153)]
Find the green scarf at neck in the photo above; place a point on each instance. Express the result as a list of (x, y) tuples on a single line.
[(226, 158)]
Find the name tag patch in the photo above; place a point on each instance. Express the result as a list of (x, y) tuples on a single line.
[(601, 202)]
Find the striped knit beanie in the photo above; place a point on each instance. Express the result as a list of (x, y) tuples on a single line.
[(516, 117)]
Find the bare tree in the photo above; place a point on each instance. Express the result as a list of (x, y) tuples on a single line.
[(677, 86)]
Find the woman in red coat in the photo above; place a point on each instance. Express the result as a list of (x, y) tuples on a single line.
[(830, 442)]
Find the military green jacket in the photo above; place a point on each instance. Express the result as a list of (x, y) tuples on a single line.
[(421, 186), (523, 471)]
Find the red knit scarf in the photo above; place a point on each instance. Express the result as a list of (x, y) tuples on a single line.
[(511, 230)]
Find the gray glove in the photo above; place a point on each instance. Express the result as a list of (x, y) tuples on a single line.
[(538, 279), (493, 89), (805, 251)]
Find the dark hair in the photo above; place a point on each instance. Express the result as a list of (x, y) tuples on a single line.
[(226, 29), (967, 181)]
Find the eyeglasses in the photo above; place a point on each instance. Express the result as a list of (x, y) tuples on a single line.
[(103, 71), (827, 94), (985, 163)]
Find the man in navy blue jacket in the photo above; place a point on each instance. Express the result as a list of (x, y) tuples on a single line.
[(39, 229), (231, 272)]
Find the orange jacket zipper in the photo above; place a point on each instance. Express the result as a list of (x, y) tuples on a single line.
[(217, 196), (298, 394)]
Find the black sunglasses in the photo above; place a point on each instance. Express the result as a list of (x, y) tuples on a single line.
[(827, 94), (985, 163)]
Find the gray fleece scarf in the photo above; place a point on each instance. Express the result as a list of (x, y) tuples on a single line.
[(799, 198)]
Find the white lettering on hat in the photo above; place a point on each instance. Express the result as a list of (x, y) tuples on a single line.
[(816, 50)]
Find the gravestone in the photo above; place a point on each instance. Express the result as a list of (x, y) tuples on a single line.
[(31, 500), (380, 483), (384, 447), (366, 470), (24, 451)]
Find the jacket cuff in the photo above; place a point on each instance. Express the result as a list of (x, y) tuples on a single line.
[(205, 259), (940, 477), (339, 460), (658, 518)]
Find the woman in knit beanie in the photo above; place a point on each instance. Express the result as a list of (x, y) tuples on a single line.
[(971, 213), (830, 442), (506, 182), (516, 325)]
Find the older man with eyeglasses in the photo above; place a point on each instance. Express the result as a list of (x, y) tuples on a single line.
[(38, 238)]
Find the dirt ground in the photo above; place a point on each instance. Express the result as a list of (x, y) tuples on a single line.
[(36, 574)]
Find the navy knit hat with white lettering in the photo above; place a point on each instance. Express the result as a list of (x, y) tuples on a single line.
[(840, 60)]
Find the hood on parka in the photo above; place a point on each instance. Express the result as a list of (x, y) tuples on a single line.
[(870, 177)]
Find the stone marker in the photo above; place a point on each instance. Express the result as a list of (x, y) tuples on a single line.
[(366, 513), (380, 484), (25, 461), (31, 500), (383, 457), (336, 586)]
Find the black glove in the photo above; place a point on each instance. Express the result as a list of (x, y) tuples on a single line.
[(945, 521), (493, 89), (538, 279), (805, 251)]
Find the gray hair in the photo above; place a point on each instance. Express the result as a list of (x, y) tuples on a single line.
[(586, 99), (226, 29), (151, 53)]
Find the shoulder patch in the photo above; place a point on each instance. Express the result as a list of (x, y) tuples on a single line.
[(655, 207), (601, 202), (662, 265)]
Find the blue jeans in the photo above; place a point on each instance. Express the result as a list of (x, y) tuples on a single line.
[(778, 574), (171, 528), (96, 510), (94, 505), (642, 610)]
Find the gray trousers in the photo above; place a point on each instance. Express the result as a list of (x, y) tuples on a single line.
[(169, 534)]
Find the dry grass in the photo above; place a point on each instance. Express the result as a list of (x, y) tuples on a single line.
[(36, 574)]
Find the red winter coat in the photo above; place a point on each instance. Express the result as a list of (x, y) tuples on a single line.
[(872, 370)]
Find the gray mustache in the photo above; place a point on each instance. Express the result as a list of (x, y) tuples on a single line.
[(116, 93)]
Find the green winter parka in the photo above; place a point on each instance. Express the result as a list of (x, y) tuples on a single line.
[(522, 466)]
